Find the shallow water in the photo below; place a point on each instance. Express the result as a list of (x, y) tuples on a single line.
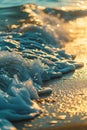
[(31, 41), (46, 3)]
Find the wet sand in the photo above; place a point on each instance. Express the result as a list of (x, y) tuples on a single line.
[(66, 108)]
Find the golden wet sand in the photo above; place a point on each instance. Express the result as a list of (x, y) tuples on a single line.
[(66, 108)]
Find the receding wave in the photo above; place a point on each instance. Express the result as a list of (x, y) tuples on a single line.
[(31, 40)]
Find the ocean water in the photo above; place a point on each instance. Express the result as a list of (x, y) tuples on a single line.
[(32, 35), (46, 3)]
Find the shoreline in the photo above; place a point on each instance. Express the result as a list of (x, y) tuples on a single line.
[(66, 107)]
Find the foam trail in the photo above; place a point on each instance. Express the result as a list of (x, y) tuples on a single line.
[(30, 53)]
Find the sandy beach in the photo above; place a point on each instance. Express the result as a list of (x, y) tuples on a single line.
[(66, 108), (38, 46)]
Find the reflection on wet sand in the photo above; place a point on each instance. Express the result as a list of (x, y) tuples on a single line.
[(34, 39), (69, 96)]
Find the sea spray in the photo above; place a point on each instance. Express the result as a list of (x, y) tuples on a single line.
[(22, 75), (30, 53)]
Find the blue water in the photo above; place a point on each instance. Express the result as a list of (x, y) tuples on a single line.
[(49, 3), (31, 41)]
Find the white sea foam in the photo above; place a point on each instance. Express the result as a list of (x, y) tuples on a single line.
[(29, 55)]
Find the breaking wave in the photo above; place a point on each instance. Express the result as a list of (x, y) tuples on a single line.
[(31, 41)]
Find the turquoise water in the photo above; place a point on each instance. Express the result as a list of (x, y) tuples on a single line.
[(31, 41), (49, 3)]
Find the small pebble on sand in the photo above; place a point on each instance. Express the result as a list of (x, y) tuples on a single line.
[(28, 125), (61, 117), (53, 122)]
